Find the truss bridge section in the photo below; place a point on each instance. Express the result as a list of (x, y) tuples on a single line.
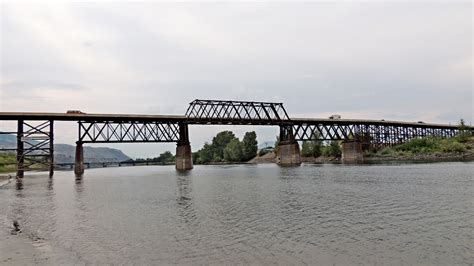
[(236, 112)]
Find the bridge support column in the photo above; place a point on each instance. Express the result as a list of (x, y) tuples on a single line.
[(184, 157), (288, 148), (79, 160), (20, 159), (352, 152)]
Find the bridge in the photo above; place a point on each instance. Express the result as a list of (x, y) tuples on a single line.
[(35, 131)]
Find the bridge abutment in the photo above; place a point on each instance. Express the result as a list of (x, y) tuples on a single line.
[(352, 152), (79, 159), (288, 148), (184, 156)]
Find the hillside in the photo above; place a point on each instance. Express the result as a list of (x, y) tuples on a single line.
[(64, 153)]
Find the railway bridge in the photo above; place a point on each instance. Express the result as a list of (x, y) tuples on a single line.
[(35, 131)]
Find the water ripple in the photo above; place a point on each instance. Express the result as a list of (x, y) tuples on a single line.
[(388, 215)]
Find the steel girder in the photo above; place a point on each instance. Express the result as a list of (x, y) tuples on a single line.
[(375, 135), (236, 112), (129, 131), (35, 146)]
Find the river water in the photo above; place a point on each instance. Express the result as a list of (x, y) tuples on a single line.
[(256, 214)]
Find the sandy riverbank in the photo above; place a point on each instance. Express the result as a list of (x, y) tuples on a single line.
[(22, 249), (6, 178)]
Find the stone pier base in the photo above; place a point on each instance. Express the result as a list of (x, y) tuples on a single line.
[(289, 154), (184, 157), (352, 152), (79, 160)]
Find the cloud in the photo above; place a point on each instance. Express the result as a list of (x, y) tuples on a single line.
[(401, 60)]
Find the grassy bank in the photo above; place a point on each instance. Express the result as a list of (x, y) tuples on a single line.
[(427, 149), (7, 162)]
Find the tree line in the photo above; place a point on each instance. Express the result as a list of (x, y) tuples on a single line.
[(164, 158), (226, 147), (316, 148)]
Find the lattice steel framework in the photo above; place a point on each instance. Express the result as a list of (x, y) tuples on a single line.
[(35, 146), (133, 131), (236, 112), (375, 135)]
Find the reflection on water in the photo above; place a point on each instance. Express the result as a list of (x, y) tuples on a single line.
[(258, 214)]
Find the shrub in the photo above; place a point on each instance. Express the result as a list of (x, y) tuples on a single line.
[(423, 145), (464, 132), (388, 152), (452, 146)]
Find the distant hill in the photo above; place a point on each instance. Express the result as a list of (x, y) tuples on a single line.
[(7, 141), (64, 153)]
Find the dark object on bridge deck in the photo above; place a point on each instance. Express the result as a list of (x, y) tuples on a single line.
[(74, 112), (236, 112)]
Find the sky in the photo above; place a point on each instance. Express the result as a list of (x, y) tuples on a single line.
[(407, 61)]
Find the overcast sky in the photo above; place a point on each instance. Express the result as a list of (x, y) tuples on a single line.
[(374, 60)]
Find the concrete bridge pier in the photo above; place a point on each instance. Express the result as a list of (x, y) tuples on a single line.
[(288, 148), (184, 156), (352, 152), (79, 160)]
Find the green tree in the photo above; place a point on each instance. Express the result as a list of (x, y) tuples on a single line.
[(219, 142), (333, 149), (306, 149), (233, 152), (311, 148), (249, 145), (205, 155), (166, 157)]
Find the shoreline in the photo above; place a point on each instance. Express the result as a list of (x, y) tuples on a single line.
[(6, 178)]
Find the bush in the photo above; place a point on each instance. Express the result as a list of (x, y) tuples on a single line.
[(388, 152), (333, 149), (423, 145), (464, 132), (452, 146), (7, 162)]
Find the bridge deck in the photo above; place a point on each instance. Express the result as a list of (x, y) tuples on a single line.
[(89, 117)]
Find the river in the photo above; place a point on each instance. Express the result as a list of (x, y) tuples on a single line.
[(245, 214)]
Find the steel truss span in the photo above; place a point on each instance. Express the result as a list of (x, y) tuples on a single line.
[(110, 132), (236, 112), (377, 135), (35, 146)]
